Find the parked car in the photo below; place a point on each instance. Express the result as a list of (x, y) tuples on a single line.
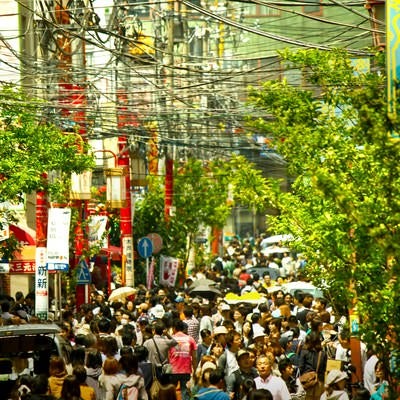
[(28, 347), (292, 287)]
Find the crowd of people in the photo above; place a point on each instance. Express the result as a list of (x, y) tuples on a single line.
[(288, 346)]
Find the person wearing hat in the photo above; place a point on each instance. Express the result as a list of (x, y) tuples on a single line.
[(220, 333), (246, 371), (258, 339), (335, 384), (180, 305), (223, 313)]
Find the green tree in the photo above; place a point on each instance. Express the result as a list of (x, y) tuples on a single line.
[(29, 149), (200, 199), (344, 203)]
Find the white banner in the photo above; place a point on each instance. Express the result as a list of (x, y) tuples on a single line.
[(58, 239), (41, 284), (127, 252), (168, 270), (97, 228)]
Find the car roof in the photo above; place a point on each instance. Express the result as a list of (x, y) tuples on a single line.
[(28, 329), (27, 339)]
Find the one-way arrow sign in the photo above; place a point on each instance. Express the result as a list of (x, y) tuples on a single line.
[(145, 247)]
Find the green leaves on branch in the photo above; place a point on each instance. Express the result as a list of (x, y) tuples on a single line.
[(202, 197), (30, 148), (344, 205)]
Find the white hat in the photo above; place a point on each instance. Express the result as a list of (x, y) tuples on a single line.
[(335, 376), (258, 331), (220, 330), (208, 365), (225, 307), (157, 311)]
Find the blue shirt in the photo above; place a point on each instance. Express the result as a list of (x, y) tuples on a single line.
[(211, 393)]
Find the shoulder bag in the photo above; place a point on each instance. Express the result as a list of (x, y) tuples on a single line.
[(310, 379), (156, 387), (166, 367)]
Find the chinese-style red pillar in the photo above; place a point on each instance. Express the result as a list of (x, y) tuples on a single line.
[(41, 274), (169, 187), (126, 216)]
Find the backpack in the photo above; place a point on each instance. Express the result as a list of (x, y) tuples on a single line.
[(127, 392)]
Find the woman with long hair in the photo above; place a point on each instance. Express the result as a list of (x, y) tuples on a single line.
[(247, 333), (313, 358), (57, 374), (70, 388), (110, 379), (130, 365)]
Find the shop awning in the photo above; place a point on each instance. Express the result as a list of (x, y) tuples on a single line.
[(113, 251), (24, 235)]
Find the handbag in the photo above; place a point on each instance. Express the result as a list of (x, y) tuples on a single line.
[(166, 367), (310, 379), (157, 389)]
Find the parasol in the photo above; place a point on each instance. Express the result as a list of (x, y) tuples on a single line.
[(121, 293), (202, 282), (208, 292)]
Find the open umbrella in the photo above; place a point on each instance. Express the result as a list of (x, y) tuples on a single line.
[(121, 293), (208, 292), (202, 282), (278, 238), (275, 249)]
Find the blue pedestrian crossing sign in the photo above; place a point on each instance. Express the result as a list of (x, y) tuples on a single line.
[(145, 247), (83, 276)]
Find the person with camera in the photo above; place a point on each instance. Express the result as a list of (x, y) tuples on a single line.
[(236, 382)]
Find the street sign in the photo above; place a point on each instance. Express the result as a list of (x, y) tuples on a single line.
[(156, 241), (83, 276), (57, 267), (145, 247)]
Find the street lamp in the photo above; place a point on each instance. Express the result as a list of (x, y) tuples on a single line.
[(115, 183), (80, 186), (116, 189)]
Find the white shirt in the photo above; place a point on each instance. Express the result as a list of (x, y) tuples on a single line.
[(231, 363), (369, 374), (275, 385)]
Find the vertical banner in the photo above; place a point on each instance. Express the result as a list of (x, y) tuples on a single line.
[(97, 231), (58, 239), (41, 284), (392, 57), (150, 275), (127, 251), (168, 270)]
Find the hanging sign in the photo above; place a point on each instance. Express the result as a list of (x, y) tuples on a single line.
[(41, 284), (58, 239), (168, 271)]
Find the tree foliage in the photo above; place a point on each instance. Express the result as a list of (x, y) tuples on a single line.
[(200, 200), (344, 205), (30, 148)]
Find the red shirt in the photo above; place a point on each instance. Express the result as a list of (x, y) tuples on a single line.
[(180, 356)]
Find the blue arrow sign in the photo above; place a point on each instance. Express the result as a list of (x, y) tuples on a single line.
[(145, 247), (83, 276)]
